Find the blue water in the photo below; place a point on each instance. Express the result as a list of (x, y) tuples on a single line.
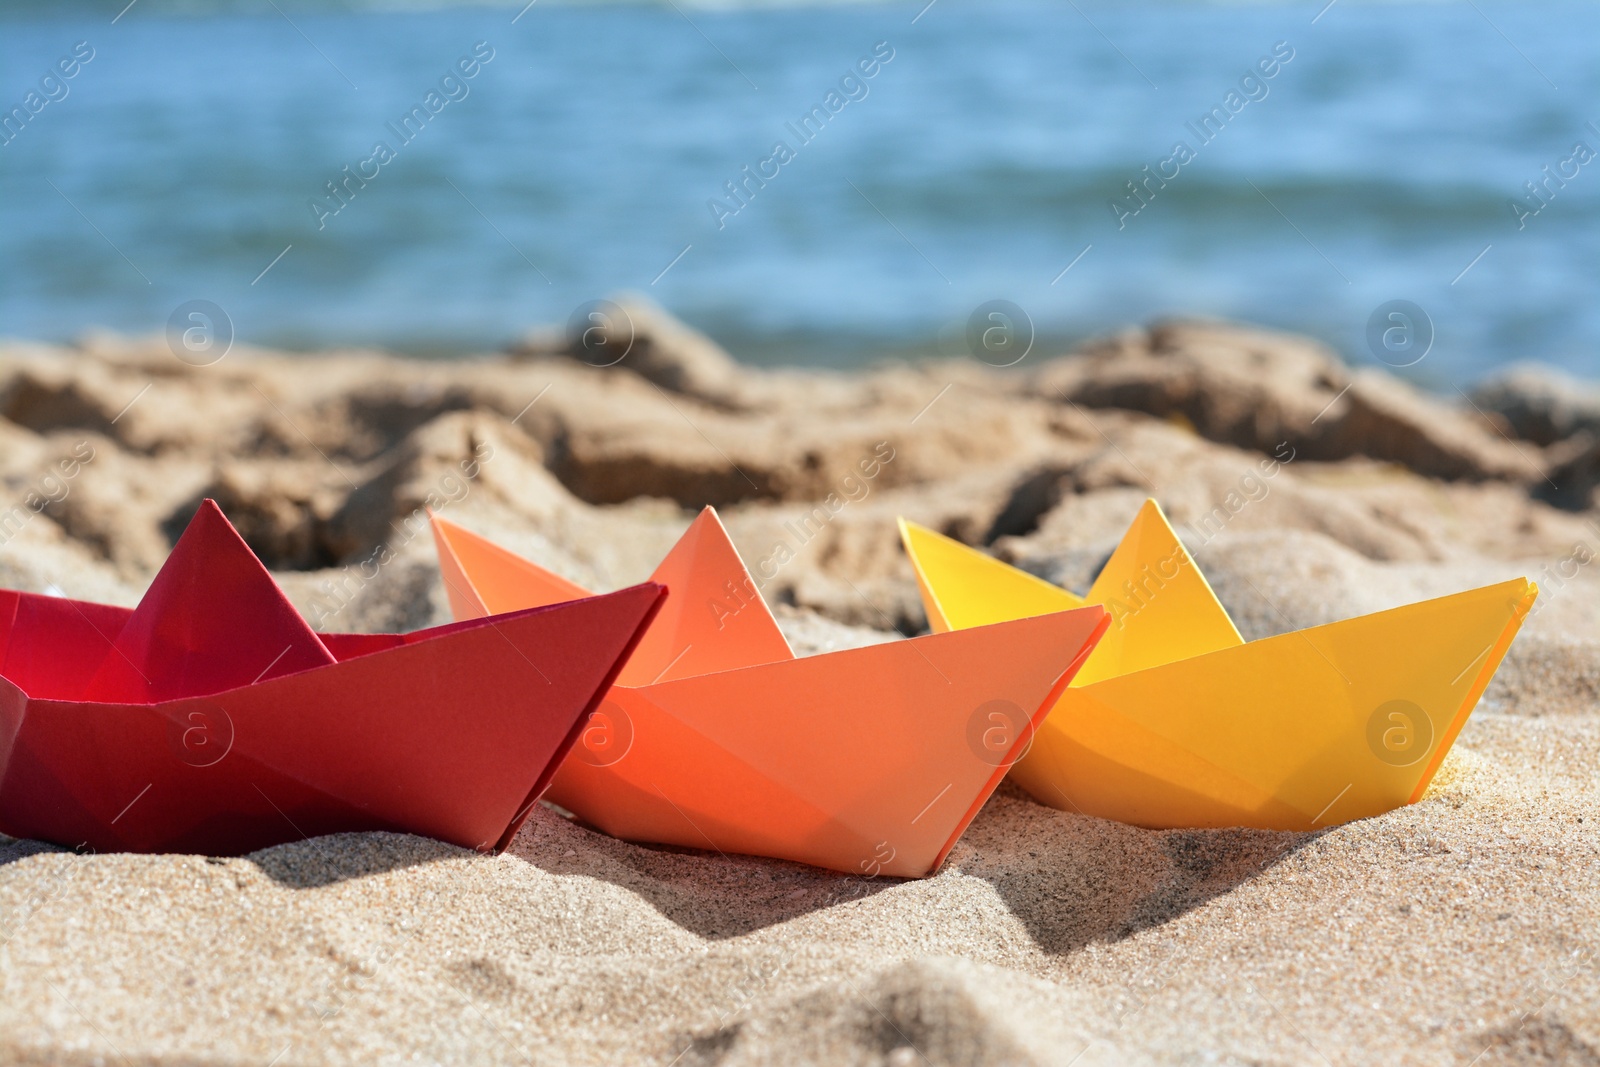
[(979, 164)]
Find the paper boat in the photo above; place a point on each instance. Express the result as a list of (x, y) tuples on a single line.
[(1176, 722), (212, 719), (871, 760)]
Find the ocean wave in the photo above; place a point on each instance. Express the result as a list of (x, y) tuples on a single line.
[(982, 165)]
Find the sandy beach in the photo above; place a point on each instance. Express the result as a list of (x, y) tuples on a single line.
[(1462, 930)]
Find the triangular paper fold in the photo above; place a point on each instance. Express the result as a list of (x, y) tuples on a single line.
[(974, 589), (714, 620), (1162, 608), (212, 619), (1176, 722), (509, 582)]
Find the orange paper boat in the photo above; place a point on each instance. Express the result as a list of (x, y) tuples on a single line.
[(870, 760)]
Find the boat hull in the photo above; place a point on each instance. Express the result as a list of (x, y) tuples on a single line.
[(871, 761), (1305, 730), (449, 733)]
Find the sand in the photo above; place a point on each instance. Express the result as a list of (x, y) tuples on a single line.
[(1464, 929)]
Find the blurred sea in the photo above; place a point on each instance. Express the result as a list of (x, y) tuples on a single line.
[(1380, 162)]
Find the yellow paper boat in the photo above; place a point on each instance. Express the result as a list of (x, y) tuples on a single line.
[(1176, 721)]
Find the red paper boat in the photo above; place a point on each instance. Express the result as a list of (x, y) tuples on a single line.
[(212, 719)]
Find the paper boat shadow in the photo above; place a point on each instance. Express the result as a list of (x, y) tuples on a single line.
[(690, 887), (714, 896), (1108, 906), (323, 861), (14, 849)]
